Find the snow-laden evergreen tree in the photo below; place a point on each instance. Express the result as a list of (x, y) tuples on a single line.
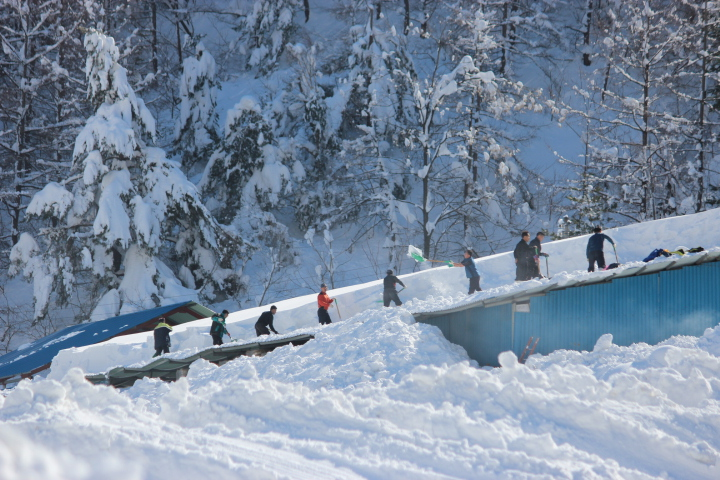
[(377, 112), (40, 105), (305, 123), (127, 221), (247, 144), (247, 176), (265, 28), (196, 133), (343, 179), (635, 166)]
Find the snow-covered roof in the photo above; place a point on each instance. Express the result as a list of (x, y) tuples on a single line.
[(171, 368), (499, 296), (36, 356)]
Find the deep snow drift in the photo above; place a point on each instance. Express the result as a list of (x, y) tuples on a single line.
[(380, 396)]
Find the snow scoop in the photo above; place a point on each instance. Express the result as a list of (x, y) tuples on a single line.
[(547, 268), (416, 254), (338, 308)]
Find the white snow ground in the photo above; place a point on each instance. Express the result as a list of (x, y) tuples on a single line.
[(379, 396)]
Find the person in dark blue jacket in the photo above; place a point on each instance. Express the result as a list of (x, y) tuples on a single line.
[(594, 249), (524, 259), (470, 272), (162, 337), (265, 322)]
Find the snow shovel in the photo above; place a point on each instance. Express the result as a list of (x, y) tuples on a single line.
[(547, 268), (416, 254), (338, 309)]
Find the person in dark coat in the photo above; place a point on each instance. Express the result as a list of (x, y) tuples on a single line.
[(162, 337), (324, 302), (524, 259), (594, 249), (470, 272), (265, 322), (389, 290), (217, 329), (536, 245)]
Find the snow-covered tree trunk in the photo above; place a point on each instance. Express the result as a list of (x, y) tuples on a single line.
[(587, 24), (37, 122), (636, 168)]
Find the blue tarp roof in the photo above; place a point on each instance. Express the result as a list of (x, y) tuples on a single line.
[(41, 352)]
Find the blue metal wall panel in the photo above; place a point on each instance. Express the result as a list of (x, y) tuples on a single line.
[(647, 308), (492, 332), (481, 331), (690, 299)]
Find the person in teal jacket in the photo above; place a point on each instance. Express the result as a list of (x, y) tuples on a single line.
[(218, 329)]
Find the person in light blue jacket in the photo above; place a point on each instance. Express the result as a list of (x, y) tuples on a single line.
[(470, 272)]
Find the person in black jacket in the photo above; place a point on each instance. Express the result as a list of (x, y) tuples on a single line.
[(266, 321), (470, 272), (524, 261), (536, 245), (389, 290), (162, 337), (594, 249)]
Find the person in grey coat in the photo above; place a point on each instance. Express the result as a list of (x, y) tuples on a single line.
[(389, 291)]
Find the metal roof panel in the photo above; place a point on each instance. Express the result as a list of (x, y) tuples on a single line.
[(42, 351)]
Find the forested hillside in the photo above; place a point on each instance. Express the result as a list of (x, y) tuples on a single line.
[(242, 152)]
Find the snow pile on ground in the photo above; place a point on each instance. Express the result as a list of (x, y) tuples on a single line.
[(380, 396)]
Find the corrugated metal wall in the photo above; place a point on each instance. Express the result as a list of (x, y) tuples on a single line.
[(483, 332), (646, 308)]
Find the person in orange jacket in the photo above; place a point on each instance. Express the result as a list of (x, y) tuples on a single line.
[(324, 302)]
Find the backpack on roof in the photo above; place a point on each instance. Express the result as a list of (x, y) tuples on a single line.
[(656, 253), (684, 250)]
